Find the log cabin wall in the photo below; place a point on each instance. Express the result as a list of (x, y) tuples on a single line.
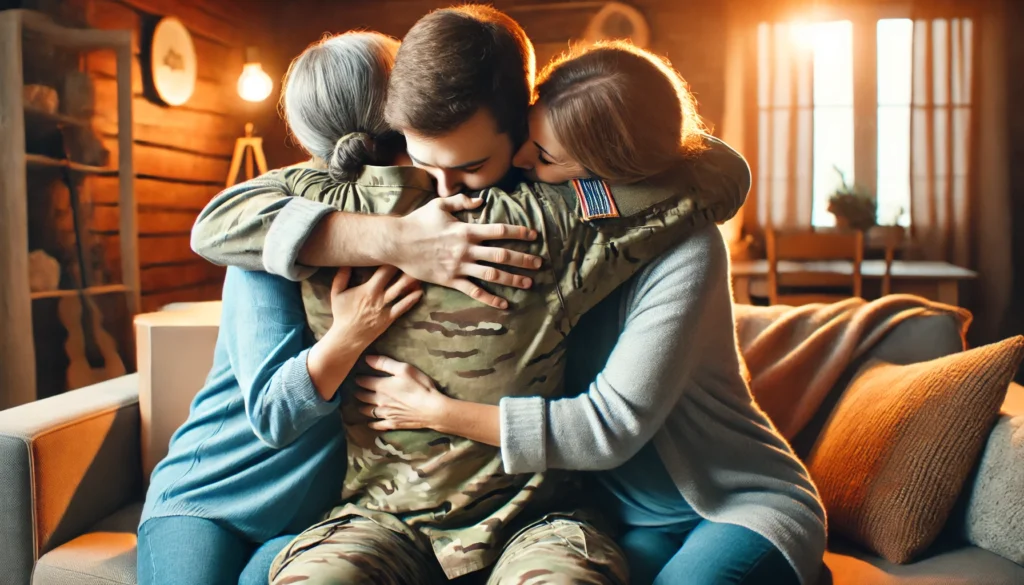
[(181, 153)]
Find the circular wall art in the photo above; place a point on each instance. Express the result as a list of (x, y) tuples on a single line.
[(616, 20), (172, 62)]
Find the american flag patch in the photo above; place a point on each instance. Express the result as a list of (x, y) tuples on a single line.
[(595, 199)]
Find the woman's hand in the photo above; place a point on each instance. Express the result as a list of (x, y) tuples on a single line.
[(434, 246), (361, 314), (407, 399)]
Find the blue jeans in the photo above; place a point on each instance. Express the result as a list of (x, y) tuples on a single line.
[(185, 549), (708, 554)]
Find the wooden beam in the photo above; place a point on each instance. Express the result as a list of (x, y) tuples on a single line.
[(154, 193), (169, 163), (180, 276), (203, 292), (150, 221), (17, 350), (180, 127)]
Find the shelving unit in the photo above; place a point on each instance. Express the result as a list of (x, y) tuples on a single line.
[(17, 346)]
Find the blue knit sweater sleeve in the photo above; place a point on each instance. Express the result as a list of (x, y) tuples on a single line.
[(267, 346)]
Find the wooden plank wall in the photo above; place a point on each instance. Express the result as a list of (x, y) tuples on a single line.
[(181, 153)]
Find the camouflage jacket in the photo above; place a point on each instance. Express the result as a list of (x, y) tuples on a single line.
[(448, 488)]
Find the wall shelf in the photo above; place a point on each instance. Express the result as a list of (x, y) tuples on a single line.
[(37, 115), (18, 383), (92, 291), (38, 160)]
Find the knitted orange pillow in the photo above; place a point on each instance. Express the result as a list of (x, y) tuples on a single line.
[(902, 441)]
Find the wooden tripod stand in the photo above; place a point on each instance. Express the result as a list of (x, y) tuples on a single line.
[(248, 147)]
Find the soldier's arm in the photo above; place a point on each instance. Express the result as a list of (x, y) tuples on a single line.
[(261, 225), (598, 254)]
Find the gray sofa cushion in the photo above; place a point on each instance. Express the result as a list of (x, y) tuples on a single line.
[(107, 556), (103, 556), (963, 566)]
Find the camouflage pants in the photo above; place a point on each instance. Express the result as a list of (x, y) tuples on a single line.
[(554, 551)]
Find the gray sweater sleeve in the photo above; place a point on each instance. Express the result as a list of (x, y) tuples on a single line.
[(650, 367)]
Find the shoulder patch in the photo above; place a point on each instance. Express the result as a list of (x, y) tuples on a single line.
[(596, 200)]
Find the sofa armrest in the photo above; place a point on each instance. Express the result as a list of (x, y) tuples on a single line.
[(1013, 405), (66, 462)]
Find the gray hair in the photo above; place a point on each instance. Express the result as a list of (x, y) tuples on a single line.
[(333, 100)]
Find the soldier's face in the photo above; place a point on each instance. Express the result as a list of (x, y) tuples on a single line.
[(473, 156), (542, 155)]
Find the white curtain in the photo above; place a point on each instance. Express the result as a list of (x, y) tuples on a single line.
[(941, 138)]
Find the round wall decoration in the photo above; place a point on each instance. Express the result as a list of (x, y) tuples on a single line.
[(616, 20), (172, 62)]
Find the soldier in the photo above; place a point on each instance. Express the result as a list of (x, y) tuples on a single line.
[(425, 496)]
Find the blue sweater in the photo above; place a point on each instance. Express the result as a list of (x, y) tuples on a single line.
[(261, 452)]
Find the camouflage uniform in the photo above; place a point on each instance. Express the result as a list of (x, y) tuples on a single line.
[(445, 489)]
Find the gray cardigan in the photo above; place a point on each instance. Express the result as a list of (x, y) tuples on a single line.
[(675, 376)]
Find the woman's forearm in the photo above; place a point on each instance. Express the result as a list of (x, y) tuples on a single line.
[(330, 361), (477, 422)]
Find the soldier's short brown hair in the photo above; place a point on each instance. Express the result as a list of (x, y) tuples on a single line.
[(457, 60)]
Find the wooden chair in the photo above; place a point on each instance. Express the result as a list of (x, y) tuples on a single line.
[(825, 259), (890, 237)]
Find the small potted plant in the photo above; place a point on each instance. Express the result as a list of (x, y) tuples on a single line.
[(853, 206)]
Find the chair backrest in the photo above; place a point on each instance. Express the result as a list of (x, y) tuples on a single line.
[(818, 259), (175, 354)]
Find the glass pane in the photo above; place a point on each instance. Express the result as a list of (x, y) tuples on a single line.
[(940, 62), (833, 63), (894, 164), (895, 51), (833, 147), (833, 113)]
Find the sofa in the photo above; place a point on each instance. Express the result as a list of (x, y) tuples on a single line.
[(73, 467)]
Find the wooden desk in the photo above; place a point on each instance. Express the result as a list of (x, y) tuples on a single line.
[(938, 281)]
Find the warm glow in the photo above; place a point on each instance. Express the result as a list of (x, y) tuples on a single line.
[(833, 138), (254, 85)]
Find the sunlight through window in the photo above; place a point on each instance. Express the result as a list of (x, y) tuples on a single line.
[(895, 45), (832, 43)]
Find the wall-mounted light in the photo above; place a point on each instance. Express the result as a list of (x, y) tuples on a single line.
[(254, 85)]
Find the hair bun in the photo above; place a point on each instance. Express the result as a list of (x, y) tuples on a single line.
[(351, 153)]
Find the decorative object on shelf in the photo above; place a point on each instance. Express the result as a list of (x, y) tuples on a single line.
[(254, 85), (616, 20), (170, 65), (79, 100), (43, 272), (853, 206), (41, 98), (92, 352)]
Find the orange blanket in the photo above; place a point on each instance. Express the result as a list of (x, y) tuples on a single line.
[(795, 355)]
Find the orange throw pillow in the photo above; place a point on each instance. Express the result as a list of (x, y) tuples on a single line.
[(902, 441)]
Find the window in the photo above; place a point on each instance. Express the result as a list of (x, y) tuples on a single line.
[(832, 150), (860, 101), (895, 75)]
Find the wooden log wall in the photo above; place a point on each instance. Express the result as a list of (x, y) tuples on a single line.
[(182, 153)]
